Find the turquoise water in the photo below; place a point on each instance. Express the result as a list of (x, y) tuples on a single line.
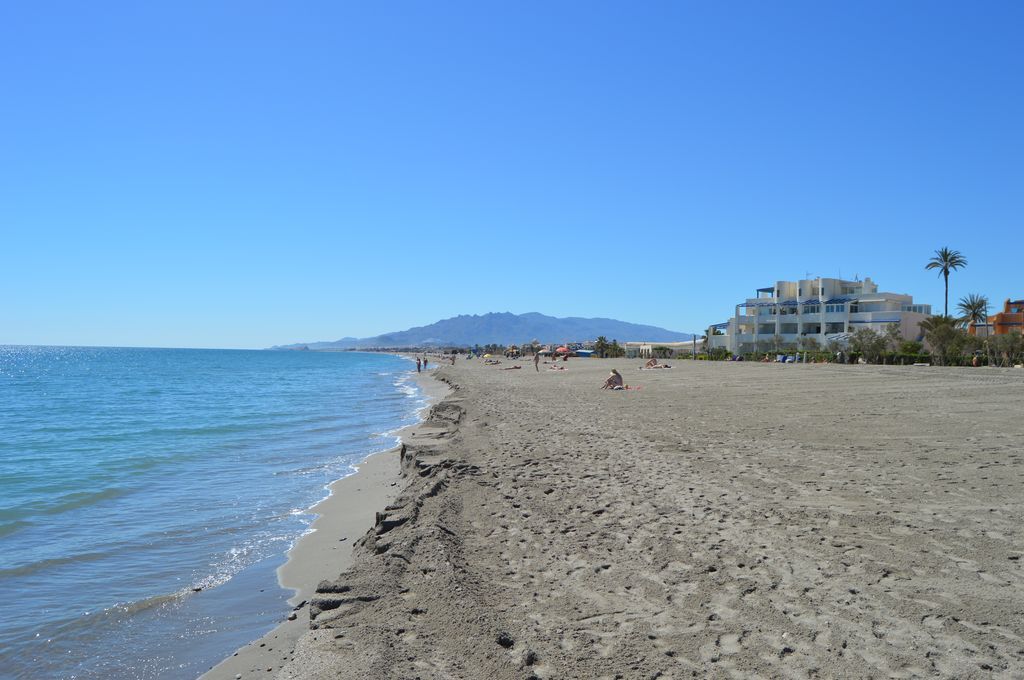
[(129, 478)]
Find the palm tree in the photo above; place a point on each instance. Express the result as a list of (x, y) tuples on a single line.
[(974, 309), (707, 340), (945, 261)]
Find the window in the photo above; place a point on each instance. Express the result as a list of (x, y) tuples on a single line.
[(834, 308)]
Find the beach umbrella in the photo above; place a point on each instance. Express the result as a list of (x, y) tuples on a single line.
[(487, 356), (562, 350)]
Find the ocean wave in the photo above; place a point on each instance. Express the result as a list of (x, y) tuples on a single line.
[(143, 463), (318, 469), (238, 558), (129, 608), (8, 528), (40, 565), (16, 513), (118, 612), (209, 430), (81, 499), (328, 429), (393, 434)]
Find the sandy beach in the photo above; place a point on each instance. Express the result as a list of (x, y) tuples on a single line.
[(731, 520)]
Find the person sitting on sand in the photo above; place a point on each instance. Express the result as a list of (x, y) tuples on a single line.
[(614, 381), (651, 363)]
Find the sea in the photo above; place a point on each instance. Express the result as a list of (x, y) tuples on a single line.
[(148, 496)]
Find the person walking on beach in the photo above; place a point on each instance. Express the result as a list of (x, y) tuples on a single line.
[(424, 363), (536, 361), (418, 368)]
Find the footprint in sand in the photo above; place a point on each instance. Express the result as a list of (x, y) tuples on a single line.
[(731, 643)]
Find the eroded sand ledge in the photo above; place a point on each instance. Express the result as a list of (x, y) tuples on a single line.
[(727, 519)]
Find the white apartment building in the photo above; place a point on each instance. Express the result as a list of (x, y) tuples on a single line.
[(823, 309), (669, 350)]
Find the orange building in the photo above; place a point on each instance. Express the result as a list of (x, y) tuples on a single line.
[(1010, 320)]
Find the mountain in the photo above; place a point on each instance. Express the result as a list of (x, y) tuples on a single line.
[(504, 328)]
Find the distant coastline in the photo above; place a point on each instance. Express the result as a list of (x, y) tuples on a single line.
[(500, 328)]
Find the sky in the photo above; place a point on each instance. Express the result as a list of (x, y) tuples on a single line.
[(244, 174)]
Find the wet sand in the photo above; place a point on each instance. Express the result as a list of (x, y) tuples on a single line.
[(731, 520)]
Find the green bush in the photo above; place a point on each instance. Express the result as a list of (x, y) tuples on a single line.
[(908, 347), (909, 358)]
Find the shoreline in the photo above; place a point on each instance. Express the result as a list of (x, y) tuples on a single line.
[(343, 516)]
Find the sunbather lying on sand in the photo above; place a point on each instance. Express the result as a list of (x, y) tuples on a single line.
[(653, 363), (557, 368), (614, 380), (510, 368)]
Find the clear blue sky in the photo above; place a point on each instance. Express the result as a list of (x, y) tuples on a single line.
[(241, 174)]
